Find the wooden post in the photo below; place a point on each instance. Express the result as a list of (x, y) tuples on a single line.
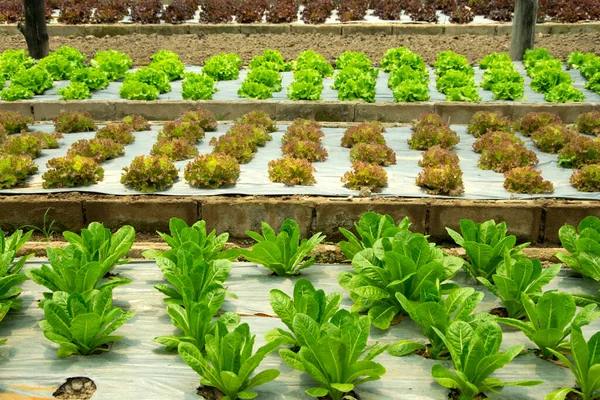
[(34, 29), (523, 31)]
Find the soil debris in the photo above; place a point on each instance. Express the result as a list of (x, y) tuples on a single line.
[(76, 388), (210, 393)]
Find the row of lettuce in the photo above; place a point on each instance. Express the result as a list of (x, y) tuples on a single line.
[(395, 272), (502, 150), (289, 11), (356, 79)]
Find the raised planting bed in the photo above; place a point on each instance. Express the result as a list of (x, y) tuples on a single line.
[(254, 176), (137, 367)]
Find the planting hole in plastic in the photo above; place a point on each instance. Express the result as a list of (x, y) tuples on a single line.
[(76, 388)]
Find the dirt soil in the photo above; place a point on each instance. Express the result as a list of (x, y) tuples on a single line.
[(194, 49), (78, 388)]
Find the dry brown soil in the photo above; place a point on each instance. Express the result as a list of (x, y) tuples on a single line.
[(194, 49)]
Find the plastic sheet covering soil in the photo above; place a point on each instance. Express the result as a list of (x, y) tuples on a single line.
[(136, 368), (254, 179)]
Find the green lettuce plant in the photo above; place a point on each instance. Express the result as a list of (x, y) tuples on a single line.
[(195, 295), (223, 67), (255, 90), (10, 276), (189, 275), (16, 92), (583, 247), (82, 323), (268, 77), (310, 60), (406, 264), (35, 79), (283, 253), (58, 66), (411, 91), (97, 243), (306, 300), (441, 314), (564, 93), (300, 90), (585, 368), (151, 76), (71, 271), (211, 245), (198, 87), (485, 244), (401, 56), (475, 356), (335, 354), (173, 68), (229, 361), (370, 228), (136, 90), (551, 320), (93, 78), (515, 277), (271, 58), (75, 91), (113, 63)]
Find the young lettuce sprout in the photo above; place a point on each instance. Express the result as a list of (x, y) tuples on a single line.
[(228, 362), (583, 246), (370, 228), (10, 276), (210, 243), (82, 323), (551, 320), (485, 244), (475, 356), (408, 264), (314, 303), (586, 367), (96, 243), (515, 277), (440, 314), (70, 271), (284, 254), (335, 354)]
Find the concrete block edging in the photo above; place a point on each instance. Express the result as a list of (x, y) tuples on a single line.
[(535, 221)]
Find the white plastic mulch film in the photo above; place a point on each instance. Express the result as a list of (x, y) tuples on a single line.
[(136, 368), (254, 179)]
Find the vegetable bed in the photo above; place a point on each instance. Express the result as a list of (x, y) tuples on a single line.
[(227, 90), (138, 368), (254, 179)]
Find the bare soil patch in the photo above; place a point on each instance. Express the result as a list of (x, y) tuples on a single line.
[(76, 388), (194, 49)]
